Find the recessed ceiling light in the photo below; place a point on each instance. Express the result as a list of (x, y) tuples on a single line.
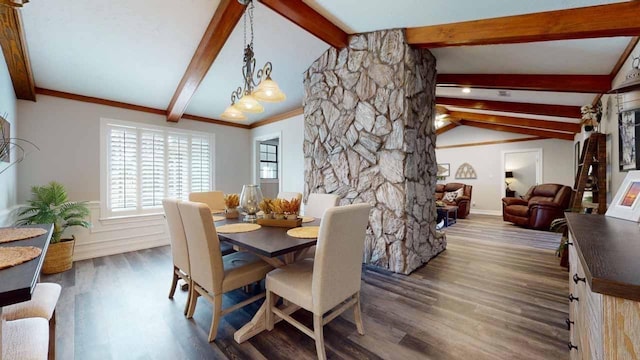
[(466, 90)]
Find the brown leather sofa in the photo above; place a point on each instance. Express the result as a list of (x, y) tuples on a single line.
[(539, 207), (462, 202)]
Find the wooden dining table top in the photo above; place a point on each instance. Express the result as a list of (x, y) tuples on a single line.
[(267, 241), (18, 282)]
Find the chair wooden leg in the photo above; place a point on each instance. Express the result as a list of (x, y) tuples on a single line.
[(174, 283), (188, 304), (319, 337), (269, 314), (193, 300), (357, 314), (215, 320), (52, 336)]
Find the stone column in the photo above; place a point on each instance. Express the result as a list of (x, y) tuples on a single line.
[(369, 137)]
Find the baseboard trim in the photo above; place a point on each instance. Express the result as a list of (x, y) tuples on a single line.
[(95, 250), (486, 212)]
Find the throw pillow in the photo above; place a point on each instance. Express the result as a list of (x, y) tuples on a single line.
[(450, 196)]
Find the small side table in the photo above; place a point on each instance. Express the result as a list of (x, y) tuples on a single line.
[(449, 213), (510, 193)]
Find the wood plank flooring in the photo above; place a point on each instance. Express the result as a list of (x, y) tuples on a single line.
[(497, 292)]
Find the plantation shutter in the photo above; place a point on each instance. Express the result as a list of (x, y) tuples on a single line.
[(200, 164), (152, 168), (123, 168), (146, 164), (178, 166)]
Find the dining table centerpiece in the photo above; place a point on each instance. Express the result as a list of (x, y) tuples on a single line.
[(250, 199), (231, 203)]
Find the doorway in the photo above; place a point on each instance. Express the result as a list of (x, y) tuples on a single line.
[(268, 167), (524, 168)]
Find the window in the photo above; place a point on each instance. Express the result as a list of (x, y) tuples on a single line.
[(268, 161), (145, 164)]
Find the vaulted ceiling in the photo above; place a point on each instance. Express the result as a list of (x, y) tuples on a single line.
[(137, 52)]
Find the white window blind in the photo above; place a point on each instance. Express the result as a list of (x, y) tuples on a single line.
[(147, 164)]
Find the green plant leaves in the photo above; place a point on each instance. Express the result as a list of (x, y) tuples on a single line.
[(50, 205)]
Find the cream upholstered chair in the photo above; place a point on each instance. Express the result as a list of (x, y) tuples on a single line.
[(42, 305), (317, 204), (213, 199), (179, 250), (286, 195), (215, 202), (331, 279), (211, 274), (25, 339)]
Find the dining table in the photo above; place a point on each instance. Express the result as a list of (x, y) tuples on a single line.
[(274, 246), (17, 283)]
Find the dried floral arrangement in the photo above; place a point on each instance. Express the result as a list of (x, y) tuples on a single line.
[(280, 206), (591, 115), (232, 201)]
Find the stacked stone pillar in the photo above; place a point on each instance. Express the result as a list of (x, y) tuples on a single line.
[(369, 137)]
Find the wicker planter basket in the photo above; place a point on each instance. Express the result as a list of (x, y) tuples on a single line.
[(59, 257)]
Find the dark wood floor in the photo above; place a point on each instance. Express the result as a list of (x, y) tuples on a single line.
[(493, 294)]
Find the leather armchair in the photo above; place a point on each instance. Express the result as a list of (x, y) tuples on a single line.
[(539, 207), (462, 202)]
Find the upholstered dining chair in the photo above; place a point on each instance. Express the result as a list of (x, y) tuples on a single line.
[(25, 339), (179, 247), (288, 195), (213, 199), (316, 205), (212, 274), (329, 282), (42, 305)]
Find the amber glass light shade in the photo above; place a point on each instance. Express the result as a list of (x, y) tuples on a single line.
[(249, 104), (269, 91), (233, 113)]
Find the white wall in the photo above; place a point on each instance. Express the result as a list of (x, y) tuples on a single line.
[(68, 132), (291, 132), (8, 179), (487, 162)]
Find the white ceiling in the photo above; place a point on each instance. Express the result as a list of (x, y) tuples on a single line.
[(288, 47), (536, 97), (386, 14), (570, 57), (137, 51), (130, 51)]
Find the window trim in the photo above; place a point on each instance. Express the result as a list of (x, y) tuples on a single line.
[(104, 163)]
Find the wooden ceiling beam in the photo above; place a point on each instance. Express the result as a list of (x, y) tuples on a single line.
[(519, 130), (310, 20), (513, 107), (618, 19), (16, 55), (555, 83), (446, 128), (222, 24), (516, 121)]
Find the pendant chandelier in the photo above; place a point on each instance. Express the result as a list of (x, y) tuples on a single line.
[(245, 99)]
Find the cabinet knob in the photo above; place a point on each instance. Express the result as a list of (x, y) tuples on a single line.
[(577, 279), (569, 243), (571, 346), (571, 298), (569, 323)]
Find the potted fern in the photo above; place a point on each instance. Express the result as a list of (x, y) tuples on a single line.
[(50, 205)]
